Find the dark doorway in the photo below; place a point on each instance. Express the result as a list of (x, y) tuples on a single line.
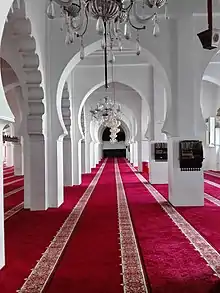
[(113, 152)]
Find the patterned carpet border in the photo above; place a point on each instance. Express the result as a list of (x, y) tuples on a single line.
[(212, 174), (212, 183), (132, 271), (13, 191), (207, 252), (36, 281), (13, 211), (15, 181), (212, 199)]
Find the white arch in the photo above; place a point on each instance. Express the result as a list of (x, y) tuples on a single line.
[(11, 86), (97, 86), (90, 49), (211, 79)]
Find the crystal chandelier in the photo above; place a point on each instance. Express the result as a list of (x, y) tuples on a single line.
[(108, 113), (114, 21), (111, 15)]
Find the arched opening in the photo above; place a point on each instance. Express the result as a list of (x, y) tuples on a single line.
[(12, 139), (210, 103), (117, 149), (95, 47)]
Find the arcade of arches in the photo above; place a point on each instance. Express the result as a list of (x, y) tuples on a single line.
[(79, 213)]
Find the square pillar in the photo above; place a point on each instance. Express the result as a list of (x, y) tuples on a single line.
[(186, 188), (67, 161), (158, 170), (18, 159)]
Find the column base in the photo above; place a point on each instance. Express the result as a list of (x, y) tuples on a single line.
[(158, 172), (38, 199), (186, 188), (67, 162)]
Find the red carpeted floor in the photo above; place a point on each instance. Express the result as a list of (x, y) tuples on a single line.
[(27, 234), (212, 178), (204, 219), (171, 262), (12, 199), (14, 184), (91, 262)]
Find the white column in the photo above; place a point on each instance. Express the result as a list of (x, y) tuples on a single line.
[(37, 172), (67, 141), (87, 140), (67, 161), (83, 156), (34, 150), (132, 152), (185, 188), (87, 157), (18, 159), (139, 155), (135, 154), (76, 168), (9, 154), (92, 154), (100, 151)]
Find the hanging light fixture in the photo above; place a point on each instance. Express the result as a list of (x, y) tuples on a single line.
[(108, 112), (114, 20)]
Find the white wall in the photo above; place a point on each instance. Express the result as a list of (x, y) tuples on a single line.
[(209, 99), (109, 146)]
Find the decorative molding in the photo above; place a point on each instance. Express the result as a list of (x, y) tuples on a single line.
[(26, 47)]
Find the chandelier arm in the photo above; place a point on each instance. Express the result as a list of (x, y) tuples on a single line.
[(142, 19), (65, 4), (136, 27), (86, 25), (79, 26), (130, 22)]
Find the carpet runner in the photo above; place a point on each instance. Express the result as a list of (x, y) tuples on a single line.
[(32, 233), (171, 262), (91, 261)]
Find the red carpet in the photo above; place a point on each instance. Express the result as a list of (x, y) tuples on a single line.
[(171, 262), (13, 185), (27, 234), (12, 178), (204, 219), (13, 200), (212, 190), (212, 178), (91, 261)]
